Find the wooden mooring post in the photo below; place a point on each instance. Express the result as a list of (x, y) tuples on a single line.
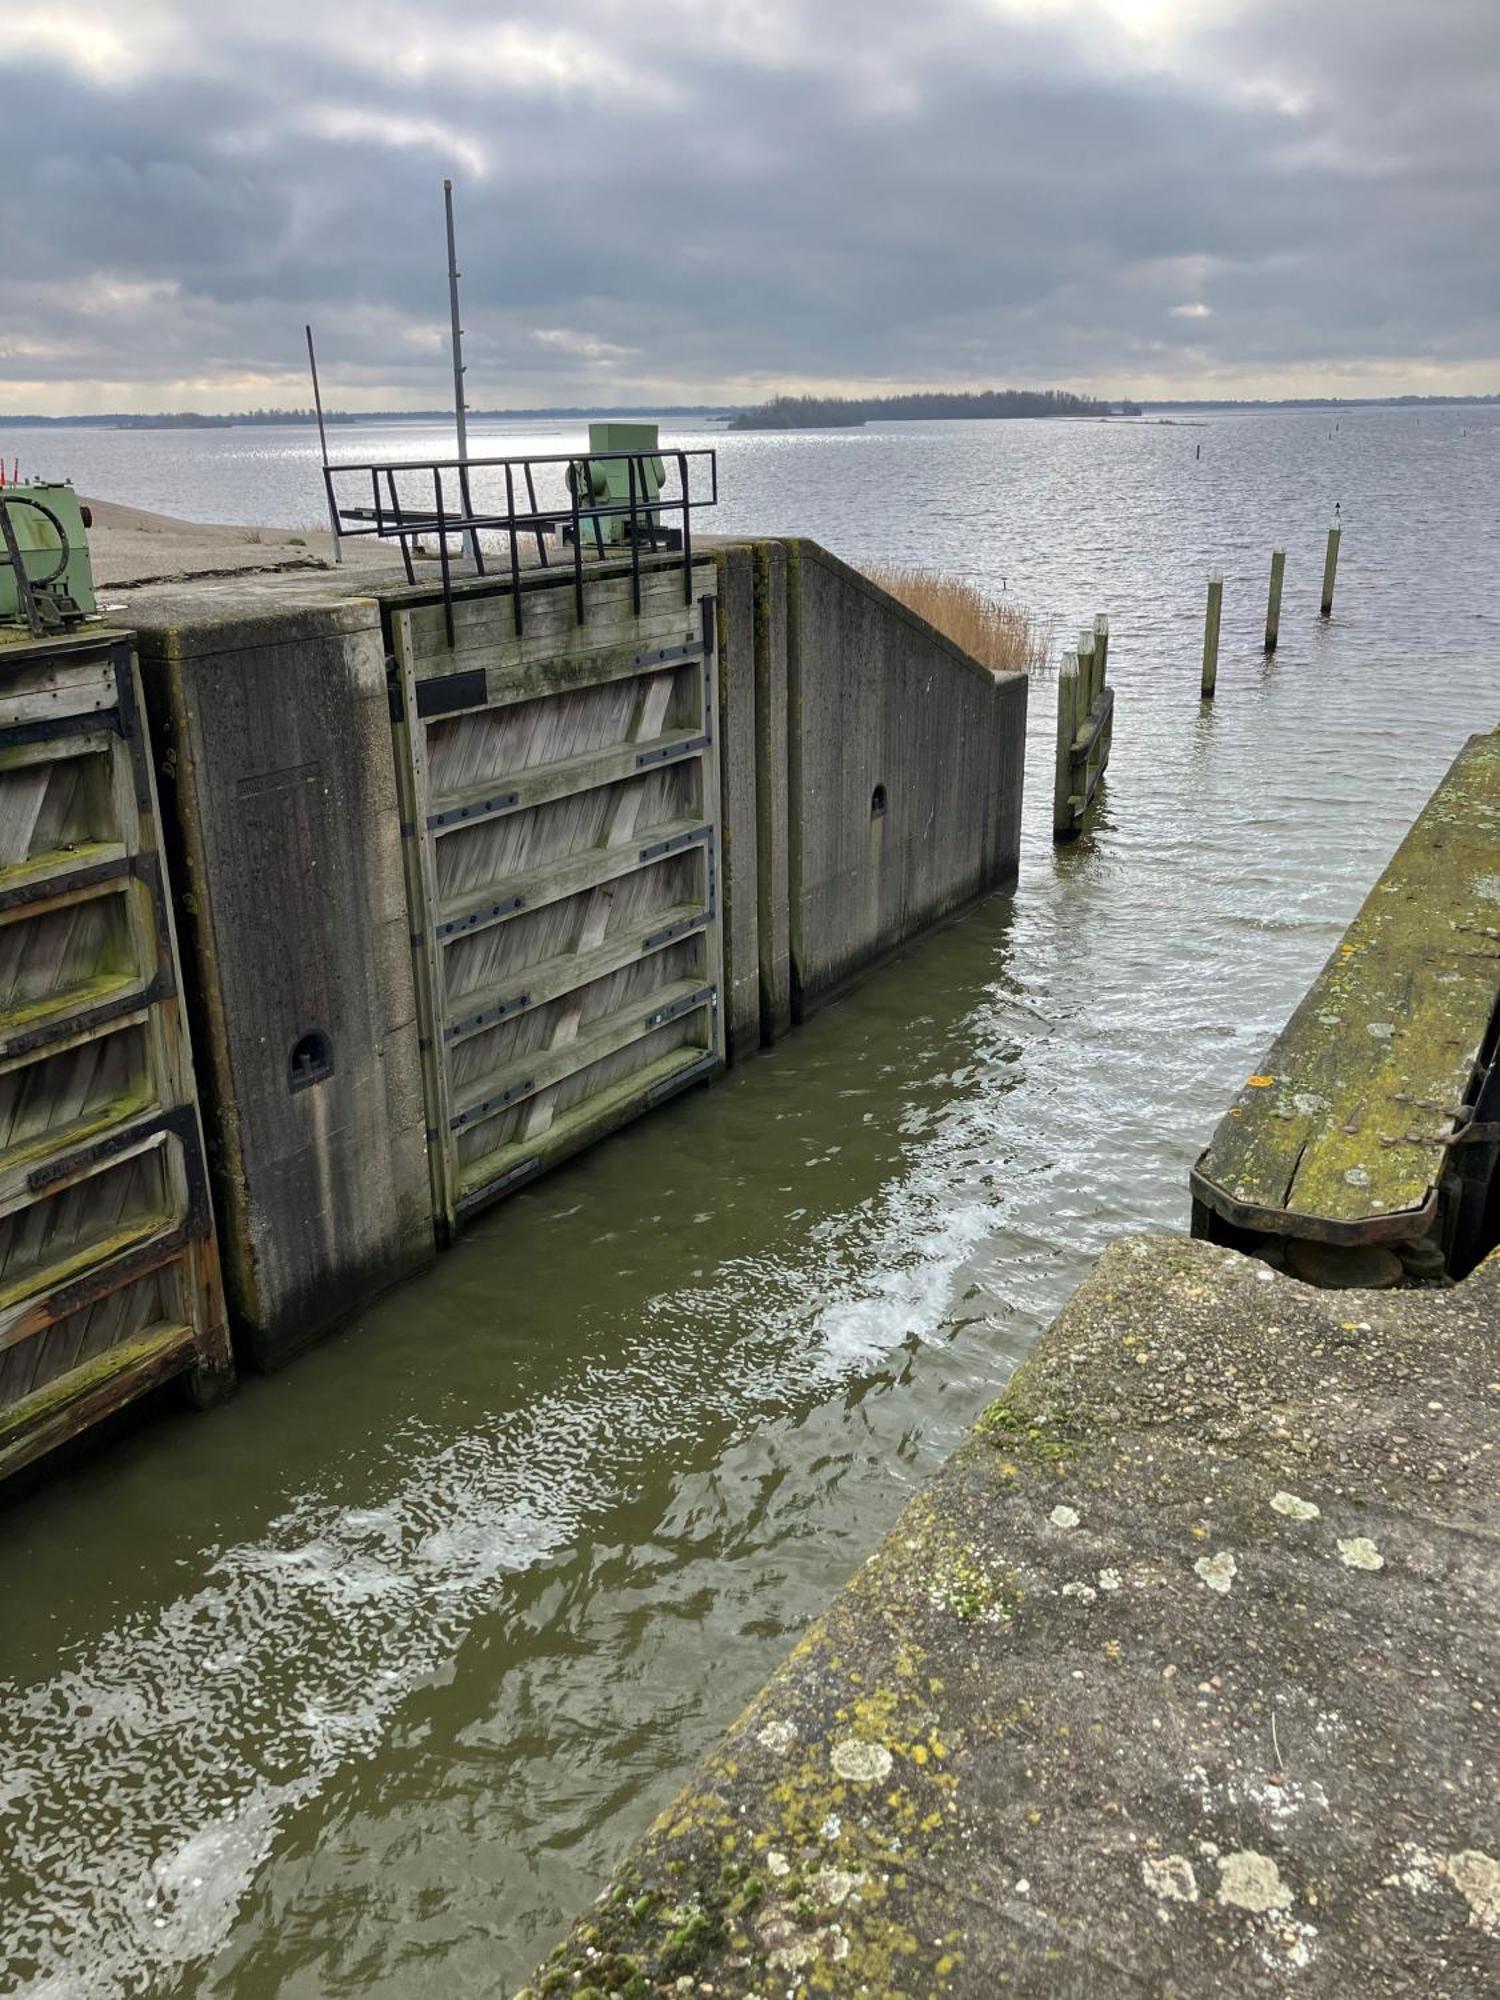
[(1085, 729), (1273, 602), (1330, 569), (1068, 712), (1211, 635)]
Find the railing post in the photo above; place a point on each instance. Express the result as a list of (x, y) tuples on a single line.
[(1068, 688), (1330, 569), (1211, 635), (1273, 601)]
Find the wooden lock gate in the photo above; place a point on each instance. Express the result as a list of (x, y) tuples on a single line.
[(109, 1279)]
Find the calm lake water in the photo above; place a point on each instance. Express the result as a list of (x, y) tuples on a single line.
[(360, 1685)]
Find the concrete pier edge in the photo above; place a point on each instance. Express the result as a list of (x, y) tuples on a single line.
[(1179, 1679)]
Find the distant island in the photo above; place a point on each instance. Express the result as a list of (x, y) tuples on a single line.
[(806, 413), (780, 413), (187, 420), (194, 420)]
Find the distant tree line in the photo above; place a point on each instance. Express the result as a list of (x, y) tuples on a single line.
[(195, 420), (800, 413)]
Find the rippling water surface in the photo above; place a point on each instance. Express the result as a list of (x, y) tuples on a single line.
[(360, 1685)]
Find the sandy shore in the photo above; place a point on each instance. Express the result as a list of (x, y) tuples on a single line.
[(131, 547)]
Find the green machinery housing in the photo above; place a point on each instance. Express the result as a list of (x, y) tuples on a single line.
[(46, 578), (607, 480)]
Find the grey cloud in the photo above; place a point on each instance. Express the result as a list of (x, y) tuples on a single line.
[(814, 192)]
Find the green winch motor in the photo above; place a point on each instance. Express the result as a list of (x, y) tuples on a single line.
[(608, 480), (46, 578)]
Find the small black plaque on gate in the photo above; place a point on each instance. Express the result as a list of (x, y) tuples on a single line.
[(447, 693)]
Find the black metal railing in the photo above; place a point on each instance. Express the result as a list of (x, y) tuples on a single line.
[(517, 501)]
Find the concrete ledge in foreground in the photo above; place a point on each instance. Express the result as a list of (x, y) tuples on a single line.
[(1179, 1680)]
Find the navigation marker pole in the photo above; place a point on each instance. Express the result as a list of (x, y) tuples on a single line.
[(333, 512), (460, 406), (1211, 635), (1330, 569)]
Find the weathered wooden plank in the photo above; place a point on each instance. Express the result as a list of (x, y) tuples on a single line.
[(483, 618), (537, 1069), (567, 877), (549, 978), (484, 626), (516, 791), (1346, 1125), (52, 692), (79, 1399), (10, 1062), (43, 870), (587, 1121), (81, 1129), (24, 1019), (48, 749)]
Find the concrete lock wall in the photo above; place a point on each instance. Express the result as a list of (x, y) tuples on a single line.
[(885, 779), (905, 774), (271, 725), (865, 781)]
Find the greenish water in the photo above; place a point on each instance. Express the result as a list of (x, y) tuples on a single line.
[(360, 1685)]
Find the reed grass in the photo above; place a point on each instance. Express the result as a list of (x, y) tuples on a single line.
[(1000, 636)]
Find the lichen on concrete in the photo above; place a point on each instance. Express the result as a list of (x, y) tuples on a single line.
[(1146, 1784), (1350, 1114)]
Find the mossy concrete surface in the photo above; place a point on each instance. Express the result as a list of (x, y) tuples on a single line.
[(1348, 1119), (1179, 1680)]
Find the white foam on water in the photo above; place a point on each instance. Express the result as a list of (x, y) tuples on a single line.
[(146, 1783)]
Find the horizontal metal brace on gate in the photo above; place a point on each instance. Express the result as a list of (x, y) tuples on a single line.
[(478, 917), (671, 753), (501, 802), (697, 1072), (684, 927), (481, 1197), (486, 1018), (64, 1027), (666, 654), (49, 888), (43, 731), (180, 1123), (489, 1105), (688, 1004), (676, 843)]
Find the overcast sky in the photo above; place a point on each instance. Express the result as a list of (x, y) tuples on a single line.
[(677, 200)]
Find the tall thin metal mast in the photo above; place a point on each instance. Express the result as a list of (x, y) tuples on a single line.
[(460, 406), (333, 512)]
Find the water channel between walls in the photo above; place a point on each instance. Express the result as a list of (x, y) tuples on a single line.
[(368, 1679)]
